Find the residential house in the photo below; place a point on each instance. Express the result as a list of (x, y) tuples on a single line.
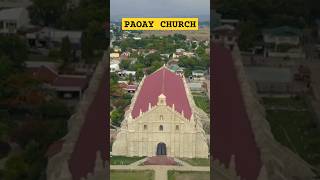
[(117, 49), (50, 37), (12, 20), (131, 88), (55, 36), (195, 86), (217, 20), (125, 73), (165, 55), (176, 69), (114, 55), (188, 54), (125, 55), (225, 34), (270, 80), (70, 86), (65, 86), (283, 42), (180, 51), (114, 66), (197, 75), (137, 38), (15, 3)]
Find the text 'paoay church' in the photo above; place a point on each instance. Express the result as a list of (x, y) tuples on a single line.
[(162, 120)]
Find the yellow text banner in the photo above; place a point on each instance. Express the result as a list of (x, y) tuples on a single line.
[(160, 24)]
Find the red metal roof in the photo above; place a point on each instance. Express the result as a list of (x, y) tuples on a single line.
[(50, 76), (131, 87), (168, 83), (232, 132), (71, 81), (43, 73)]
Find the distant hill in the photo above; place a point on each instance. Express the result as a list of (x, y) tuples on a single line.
[(202, 18)]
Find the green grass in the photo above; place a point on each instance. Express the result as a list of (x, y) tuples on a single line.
[(295, 129), (294, 103), (131, 175), (188, 175), (122, 160), (203, 103), (197, 161)]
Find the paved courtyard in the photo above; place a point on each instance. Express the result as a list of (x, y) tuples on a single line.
[(161, 172)]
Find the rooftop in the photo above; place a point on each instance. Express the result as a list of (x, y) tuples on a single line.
[(163, 81), (283, 31), (233, 134), (71, 81), (11, 14)]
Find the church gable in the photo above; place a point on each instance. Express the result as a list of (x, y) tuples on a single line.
[(161, 118)]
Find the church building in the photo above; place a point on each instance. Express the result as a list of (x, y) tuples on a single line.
[(162, 120)]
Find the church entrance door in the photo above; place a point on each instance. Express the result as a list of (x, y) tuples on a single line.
[(161, 149)]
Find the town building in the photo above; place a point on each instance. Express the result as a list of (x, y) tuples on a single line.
[(126, 73), (176, 69), (195, 86), (189, 54), (13, 19), (197, 75), (284, 42), (51, 37), (162, 120), (65, 86), (15, 3), (225, 34), (114, 66), (217, 20), (114, 55)]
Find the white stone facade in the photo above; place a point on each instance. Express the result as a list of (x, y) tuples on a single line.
[(140, 136)]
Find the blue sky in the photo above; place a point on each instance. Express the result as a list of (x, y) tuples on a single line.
[(158, 8)]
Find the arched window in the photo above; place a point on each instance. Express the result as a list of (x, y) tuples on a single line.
[(177, 127), (161, 117), (160, 128), (145, 127)]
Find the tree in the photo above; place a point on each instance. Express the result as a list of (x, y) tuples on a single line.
[(4, 149), (94, 37), (65, 50), (15, 49), (117, 116), (179, 37), (200, 51), (139, 74), (4, 131), (6, 68), (248, 35), (125, 64), (130, 78), (86, 46), (15, 168), (46, 13), (30, 130), (54, 109)]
